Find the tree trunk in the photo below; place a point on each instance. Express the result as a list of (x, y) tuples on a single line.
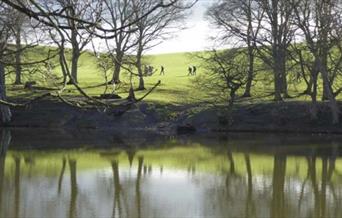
[(276, 51), (277, 73), (141, 83), (251, 47), (117, 68), (277, 82), (332, 101), (61, 63), (325, 91), (284, 85), (18, 58), (282, 64), (6, 114), (279, 68), (326, 83), (74, 67), (140, 71), (250, 75), (323, 45), (75, 54), (309, 87), (131, 95), (314, 109)]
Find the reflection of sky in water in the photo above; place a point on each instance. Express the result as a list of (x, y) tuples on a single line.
[(172, 193)]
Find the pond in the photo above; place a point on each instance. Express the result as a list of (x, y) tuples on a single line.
[(68, 174)]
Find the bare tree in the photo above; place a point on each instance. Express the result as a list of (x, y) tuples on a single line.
[(154, 28), (25, 34), (117, 14), (68, 18), (5, 33), (274, 40), (239, 20), (75, 34), (319, 23), (18, 28), (62, 20), (227, 72)]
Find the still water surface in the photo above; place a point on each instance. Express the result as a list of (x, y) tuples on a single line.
[(174, 177)]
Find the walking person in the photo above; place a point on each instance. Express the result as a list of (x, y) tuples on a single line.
[(189, 71), (162, 70), (194, 70)]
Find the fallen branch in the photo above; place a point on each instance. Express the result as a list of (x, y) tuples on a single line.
[(63, 100), (128, 105), (149, 92), (117, 110), (11, 104)]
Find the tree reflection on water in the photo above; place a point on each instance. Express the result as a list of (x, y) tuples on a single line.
[(191, 181)]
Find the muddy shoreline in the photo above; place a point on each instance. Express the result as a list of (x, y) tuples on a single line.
[(287, 117)]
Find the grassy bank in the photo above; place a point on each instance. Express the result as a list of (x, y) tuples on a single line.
[(176, 87), (176, 101)]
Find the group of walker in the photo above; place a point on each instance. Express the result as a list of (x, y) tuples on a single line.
[(149, 70), (192, 71)]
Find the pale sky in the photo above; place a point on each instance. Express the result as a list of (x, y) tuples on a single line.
[(194, 38)]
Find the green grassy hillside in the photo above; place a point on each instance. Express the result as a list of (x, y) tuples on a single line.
[(176, 87)]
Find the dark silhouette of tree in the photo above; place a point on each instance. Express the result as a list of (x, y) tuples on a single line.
[(5, 33), (227, 72), (274, 39), (320, 25), (118, 14), (239, 20), (76, 12)]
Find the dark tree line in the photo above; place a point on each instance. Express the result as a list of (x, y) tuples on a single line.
[(292, 39)]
